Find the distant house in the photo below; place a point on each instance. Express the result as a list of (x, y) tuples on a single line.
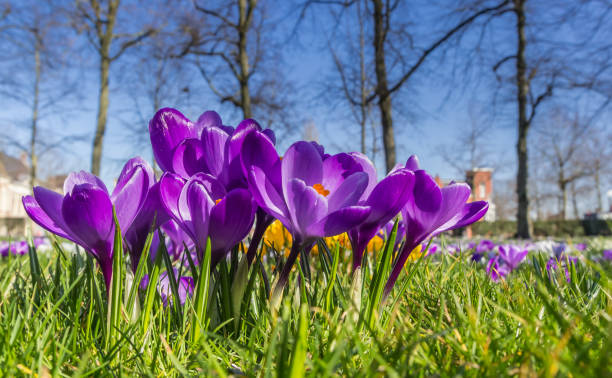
[(481, 182), (14, 184)]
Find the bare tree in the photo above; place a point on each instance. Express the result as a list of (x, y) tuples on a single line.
[(34, 73), (546, 63), (561, 143), (98, 19), (234, 48), (159, 80), (397, 57)]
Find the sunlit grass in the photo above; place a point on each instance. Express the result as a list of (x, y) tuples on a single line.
[(444, 317)]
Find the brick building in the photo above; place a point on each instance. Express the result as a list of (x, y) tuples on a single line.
[(480, 181)]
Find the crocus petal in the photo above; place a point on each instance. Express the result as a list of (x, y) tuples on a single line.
[(257, 150), (306, 206), (336, 169), (167, 129), (230, 221), (302, 161), (412, 163), (267, 196), (53, 223), (188, 158), (136, 236), (88, 213), (470, 213), (131, 190), (170, 186), (82, 177), (349, 192), (454, 197), (339, 221), (368, 167), (213, 142), (421, 213), (215, 188), (195, 205), (390, 196), (208, 119)]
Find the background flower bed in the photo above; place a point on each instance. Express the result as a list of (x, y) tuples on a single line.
[(549, 228), (451, 319)]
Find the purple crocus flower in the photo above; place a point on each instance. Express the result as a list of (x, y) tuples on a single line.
[(385, 199), (512, 255), (84, 214), (607, 254), (580, 247), (170, 130), (314, 196), (185, 288), (208, 147), (203, 209), (496, 269), (432, 211), (564, 261)]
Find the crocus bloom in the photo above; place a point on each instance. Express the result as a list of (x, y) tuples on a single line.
[(84, 214), (433, 210), (607, 254), (580, 247), (512, 255), (169, 129), (203, 209), (564, 261), (385, 200), (496, 269), (314, 196), (185, 288)]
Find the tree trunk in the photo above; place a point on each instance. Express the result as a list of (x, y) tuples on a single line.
[(575, 201), (105, 38), (598, 188), (382, 89), (243, 60), (96, 155), (362, 81), (523, 222), (33, 156), (563, 206)]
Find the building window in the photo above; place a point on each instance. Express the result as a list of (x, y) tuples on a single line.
[(482, 190)]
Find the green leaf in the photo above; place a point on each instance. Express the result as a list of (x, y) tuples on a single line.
[(199, 319)]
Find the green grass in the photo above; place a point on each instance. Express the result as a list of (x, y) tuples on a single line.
[(445, 317)]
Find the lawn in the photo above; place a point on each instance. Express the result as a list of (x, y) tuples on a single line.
[(445, 316)]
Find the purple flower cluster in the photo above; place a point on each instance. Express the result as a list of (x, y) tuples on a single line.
[(219, 181), (19, 248), (508, 259)]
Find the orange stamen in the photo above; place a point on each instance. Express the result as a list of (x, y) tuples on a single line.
[(321, 190), (217, 201)]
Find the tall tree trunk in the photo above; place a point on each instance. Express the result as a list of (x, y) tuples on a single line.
[(598, 188), (105, 38), (523, 222), (575, 201), (243, 59), (33, 155), (384, 97), (362, 80), (96, 155), (563, 205)]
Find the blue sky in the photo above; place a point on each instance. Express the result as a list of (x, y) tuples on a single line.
[(439, 118)]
